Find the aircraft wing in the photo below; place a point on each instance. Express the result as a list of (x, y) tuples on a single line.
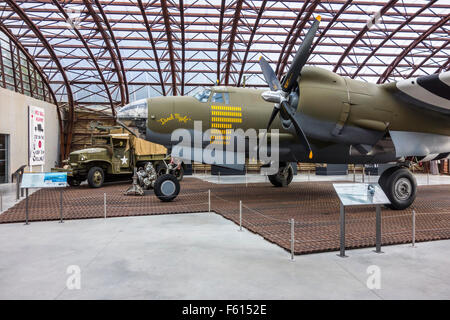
[(427, 92)]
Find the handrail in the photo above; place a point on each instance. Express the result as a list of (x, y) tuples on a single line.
[(18, 174)]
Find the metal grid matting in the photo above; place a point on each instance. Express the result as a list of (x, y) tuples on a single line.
[(267, 211)]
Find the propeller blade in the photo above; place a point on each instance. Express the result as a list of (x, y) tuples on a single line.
[(300, 133), (301, 58), (269, 75), (275, 113)]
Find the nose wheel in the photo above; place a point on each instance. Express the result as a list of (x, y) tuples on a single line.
[(284, 176)]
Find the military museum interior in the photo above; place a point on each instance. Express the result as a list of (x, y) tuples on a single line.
[(224, 150)]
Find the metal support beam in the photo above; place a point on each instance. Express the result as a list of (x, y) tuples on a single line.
[(183, 47), (122, 79), (288, 38), (420, 65), (392, 34), (405, 52), (219, 40), (91, 55), (21, 13), (250, 40), (309, 12), (166, 17), (152, 42), (237, 14), (361, 34)]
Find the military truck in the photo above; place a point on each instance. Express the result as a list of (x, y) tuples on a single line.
[(113, 157)]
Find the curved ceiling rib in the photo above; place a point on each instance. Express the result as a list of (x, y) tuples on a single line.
[(360, 35), (392, 34), (44, 78), (183, 48), (331, 23), (288, 38), (21, 13), (237, 13), (121, 74), (31, 59), (166, 18), (91, 55), (420, 65), (445, 66), (152, 42), (219, 41), (406, 51), (250, 41), (308, 15)]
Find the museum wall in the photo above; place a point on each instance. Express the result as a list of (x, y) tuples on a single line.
[(14, 122)]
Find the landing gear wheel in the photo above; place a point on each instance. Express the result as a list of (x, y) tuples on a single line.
[(283, 178), (400, 187), (161, 170), (179, 174), (73, 182), (167, 188), (96, 177)]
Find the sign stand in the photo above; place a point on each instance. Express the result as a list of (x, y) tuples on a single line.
[(360, 195)]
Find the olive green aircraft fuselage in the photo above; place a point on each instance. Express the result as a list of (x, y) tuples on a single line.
[(346, 121)]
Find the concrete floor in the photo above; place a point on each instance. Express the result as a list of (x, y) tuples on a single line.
[(201, 256)]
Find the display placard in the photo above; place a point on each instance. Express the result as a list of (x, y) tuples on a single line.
[(44, 180), (36, 136), (361, 194)]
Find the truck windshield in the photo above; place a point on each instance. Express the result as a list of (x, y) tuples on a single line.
[(101, 141), (203, 96)]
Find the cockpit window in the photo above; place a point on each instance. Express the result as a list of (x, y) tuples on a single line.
[(227, 98), (218, 98), (203, 96), (135, 110)]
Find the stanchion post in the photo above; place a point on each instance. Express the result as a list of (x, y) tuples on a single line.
[(354, 173), (1, 202), (292, 239), (61, 209), (342, 222), (104, 204), (240, 216), (378, 229), (363, 174), (27, 213), (414, 228), (209, 201)]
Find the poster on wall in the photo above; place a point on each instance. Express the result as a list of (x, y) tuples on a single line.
[(37, 136)]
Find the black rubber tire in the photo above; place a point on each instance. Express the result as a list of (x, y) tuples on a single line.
[(73, 182), (159, 188), (388, 183), (91, 177), (277, 181)]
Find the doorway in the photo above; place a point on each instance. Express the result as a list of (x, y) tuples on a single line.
[(4, 158)]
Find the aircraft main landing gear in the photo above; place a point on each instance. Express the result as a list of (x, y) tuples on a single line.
[(400, 187), (284, 176)]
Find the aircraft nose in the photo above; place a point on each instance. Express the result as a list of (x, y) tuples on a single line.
[(137, 110)]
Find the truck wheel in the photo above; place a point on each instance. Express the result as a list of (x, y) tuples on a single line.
[(167, 188), (96, 177), (400, 187), (73, 182)]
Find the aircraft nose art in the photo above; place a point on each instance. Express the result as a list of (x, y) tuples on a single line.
[(137, 110)]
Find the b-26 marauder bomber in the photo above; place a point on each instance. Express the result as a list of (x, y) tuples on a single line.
[(322, 118)]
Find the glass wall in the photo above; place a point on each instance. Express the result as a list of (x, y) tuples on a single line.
[(18, 74), (4, 158)]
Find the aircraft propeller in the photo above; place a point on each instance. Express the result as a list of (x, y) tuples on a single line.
[(280, 92)]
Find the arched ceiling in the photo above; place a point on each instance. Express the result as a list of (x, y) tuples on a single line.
[(105, 53)]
